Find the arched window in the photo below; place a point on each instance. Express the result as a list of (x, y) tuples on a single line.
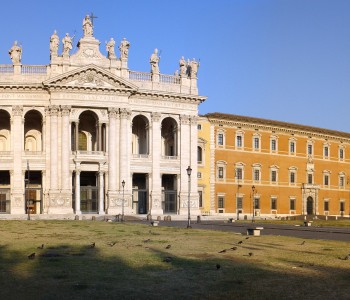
[(83, 141), (199, 155)]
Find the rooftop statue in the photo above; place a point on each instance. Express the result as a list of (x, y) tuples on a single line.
[(183, 66), (124, 49), (154, 60), (16, 53), (87, 26), (54, 43), (194, 68), (67, 44), (110, 48)]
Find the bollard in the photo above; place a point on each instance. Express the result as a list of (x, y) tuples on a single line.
[(198, 219), (76, 218)]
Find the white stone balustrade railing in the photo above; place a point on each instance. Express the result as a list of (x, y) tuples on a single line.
[(140, 76), (80, 152), (169, 79), (5, 153), (140, 156), (6, 69), (169, 157), (26, 69), (35, 153)]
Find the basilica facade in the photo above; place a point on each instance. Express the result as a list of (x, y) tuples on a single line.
[(85, 134)]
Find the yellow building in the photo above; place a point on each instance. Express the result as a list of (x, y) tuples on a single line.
[(270, 168)]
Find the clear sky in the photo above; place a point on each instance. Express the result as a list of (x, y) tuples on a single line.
[(286, 60)]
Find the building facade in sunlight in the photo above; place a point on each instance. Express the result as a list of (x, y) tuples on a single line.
[(265, 168), (85, 134)]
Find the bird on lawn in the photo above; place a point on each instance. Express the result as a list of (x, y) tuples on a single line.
[(41, 247), (240, 242), (111, 244), (168, 259), (92, 245), (303, 242), (233, 248), (168, 247), (218, 266), (250, 253), (31, 256), (247, 238), (222, 251)]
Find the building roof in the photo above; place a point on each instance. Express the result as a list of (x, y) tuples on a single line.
[(259, 121)]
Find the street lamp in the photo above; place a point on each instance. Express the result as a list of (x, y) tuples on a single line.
[(123, 185), (253, 202), (189, 170), (27, 183)]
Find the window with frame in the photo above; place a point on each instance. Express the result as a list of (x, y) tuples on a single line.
[(342, 206), (199, 175), (239, 202), (274, 203), (256, 203), (256, 175), (200, 198), (273, 145), (341, 154), (199, 126), (326, 180), (310, 178), (256, 143), (310, 150), (239, 173), (326, 151), (292, 177), (221, 172), (326, 205), (292, 147), (221, 202), (341, 181), (220, 139), (273, 176), (239, 141), (292, 204), (199, 154)]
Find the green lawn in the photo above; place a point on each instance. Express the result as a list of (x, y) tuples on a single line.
[(134, 267)]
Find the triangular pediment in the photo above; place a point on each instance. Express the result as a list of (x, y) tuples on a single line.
[(92, 77)]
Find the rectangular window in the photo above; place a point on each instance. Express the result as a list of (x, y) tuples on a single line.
[(239, 173), (199, 126), (239, 141), (239, 202), (220, 139), (341, 154), (326, 206), (292, 204), (292, 147), (200, 194), (341, 181), (342, 206), (256, 203), (309, 178), (273, 176), (309, 149), (221, 202), (326, 151), (256, 143), (273, 203), (292, 177), (273, 145), (256, 175), (326, 180), (199, 175), (221, 172)]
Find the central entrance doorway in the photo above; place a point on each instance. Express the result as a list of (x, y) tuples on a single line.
[(310, 206), (33, 192), (140, 193), (169, 193)]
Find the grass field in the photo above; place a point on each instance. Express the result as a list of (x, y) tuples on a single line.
[(134, 261)]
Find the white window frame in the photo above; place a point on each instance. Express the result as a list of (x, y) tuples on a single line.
[(294, 141), (240, 166), (274, 169), (274, 138), (310, 145), (221, 164), (271, 200), (295, 204), (341, 148), (341, 180), (325, 174), (326, 147), (294, 171), (239, 134), (256, 168), (256, 136), (218, 132)]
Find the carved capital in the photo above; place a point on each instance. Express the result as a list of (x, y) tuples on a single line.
[(17, 110), (65, 110), (156, 116), (125, 113), (194, 120), (113, 112), (185, 119), (53, 110)]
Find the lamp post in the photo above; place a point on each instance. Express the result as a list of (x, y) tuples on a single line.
[(27, 181), (123, 185), (189, 170), (253, 202)]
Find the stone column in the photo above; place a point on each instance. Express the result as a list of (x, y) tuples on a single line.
[(54, 149), (194, 197), (17, 184), (185, 148), (99, 133), (65, 149), (112, 161), (76, 134), (124, 158), (77, 190), (156, 189), (101, 192)]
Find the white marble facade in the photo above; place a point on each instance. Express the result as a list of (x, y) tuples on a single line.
[(73, 131)]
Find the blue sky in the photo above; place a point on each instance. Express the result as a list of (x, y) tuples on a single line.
[(286, 60)]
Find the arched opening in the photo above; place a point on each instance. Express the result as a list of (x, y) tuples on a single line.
[(5, 131), (88, 125), (33, 131), (140, 131), (169, 137), (310, 206)]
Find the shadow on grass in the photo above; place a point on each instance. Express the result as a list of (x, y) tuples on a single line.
[(81, 272)]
